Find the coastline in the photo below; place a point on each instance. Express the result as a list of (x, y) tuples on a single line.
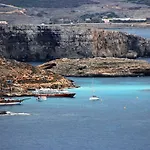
[(99, 67), (80, 70)]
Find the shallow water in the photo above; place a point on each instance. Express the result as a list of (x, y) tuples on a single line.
[(119, 121)]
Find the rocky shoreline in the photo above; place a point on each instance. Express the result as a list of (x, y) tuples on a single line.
[(19, 79), (100, 67), (24, 77)]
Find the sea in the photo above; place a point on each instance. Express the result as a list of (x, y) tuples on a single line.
[(120, 120)]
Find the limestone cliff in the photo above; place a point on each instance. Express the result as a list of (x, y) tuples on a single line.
[(41, 43)]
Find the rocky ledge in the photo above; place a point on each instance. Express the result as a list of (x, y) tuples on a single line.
[(18, 78), (101, 67)]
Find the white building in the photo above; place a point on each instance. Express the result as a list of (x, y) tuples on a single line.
[(124, 20), (3, 23)]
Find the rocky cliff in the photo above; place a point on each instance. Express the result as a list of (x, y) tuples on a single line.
[(42, 43)]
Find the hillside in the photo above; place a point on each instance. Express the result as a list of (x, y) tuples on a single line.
[(146, 2), (47, 3), (63, 3), (25, 76), (69, 11)]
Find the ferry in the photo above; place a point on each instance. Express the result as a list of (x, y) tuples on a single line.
[(53, 93)]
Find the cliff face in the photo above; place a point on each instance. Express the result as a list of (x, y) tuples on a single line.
[(41, 43)]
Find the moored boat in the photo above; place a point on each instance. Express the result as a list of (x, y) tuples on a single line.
[(71, 95), (5, 102), (53, 93), (10, 102), (41, 98), (94, 98)]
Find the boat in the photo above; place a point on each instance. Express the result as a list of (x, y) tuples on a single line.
[(94, 98), (6, 102), (4, 112), (53, 93), (41, 98), (71, 95)]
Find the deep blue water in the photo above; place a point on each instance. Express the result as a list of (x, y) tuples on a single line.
[(80, 124)]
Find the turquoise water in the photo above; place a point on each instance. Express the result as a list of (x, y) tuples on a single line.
[(119, 121)]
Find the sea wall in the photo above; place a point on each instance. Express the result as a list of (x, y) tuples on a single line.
[(42, 43)]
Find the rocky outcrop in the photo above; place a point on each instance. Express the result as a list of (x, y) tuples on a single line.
[(100, 67), (41, 43), (17, 78)]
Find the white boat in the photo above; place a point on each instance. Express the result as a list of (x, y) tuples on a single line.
[(6, 102), (41, 98), (94, 98), (9, 103), (12, 113)]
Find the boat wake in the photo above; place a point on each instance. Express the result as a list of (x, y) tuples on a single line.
[(9, 113)]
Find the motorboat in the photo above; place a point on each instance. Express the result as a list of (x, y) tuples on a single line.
[(94, 98), (41, 98)]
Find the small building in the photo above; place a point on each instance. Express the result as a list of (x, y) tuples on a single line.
[(106, 20), (87, 20), (124, 20), (3, 23)]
